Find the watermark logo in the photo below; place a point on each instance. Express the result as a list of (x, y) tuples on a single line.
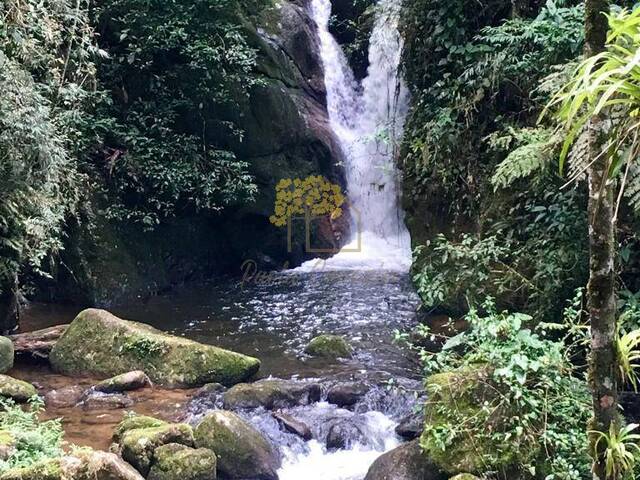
[(310, 199)]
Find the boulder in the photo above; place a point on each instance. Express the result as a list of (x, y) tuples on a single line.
[(6, 354), (242, 451), (406, 462), (343, 434), (100, 343), (64, 397), (271, 394), (82, 464), (179, 462), (329, 346), (121, 383), (411, 426), (37, 344), (293, 425), (106, 401), (347, 394), (15, 389), (137, 446), (133, 422)]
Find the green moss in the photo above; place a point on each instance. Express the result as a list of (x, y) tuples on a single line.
[(133, 422), (15, 389), (138, 445), (99, 343), (44, 470), (177, 462), (6, 354), (330, 346)]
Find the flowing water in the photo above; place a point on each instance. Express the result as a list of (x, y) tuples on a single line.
[(362, 293)]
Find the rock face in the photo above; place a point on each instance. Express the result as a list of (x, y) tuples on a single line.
[(406, 462), (138, 446), (6, 354), (81, 465), (15, 389), (179, 462), (100, 343), (242, 451), (329, 346), (126, 381), (271, 394)]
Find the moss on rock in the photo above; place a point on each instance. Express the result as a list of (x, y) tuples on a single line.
[(242, 451), (329, 346), (178, 462), (6, 354), (100, 343), (138, 445), (15, 389), (43, 470), (133, 422), (270, 394)]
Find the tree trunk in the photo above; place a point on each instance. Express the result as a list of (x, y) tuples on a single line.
[(603, 368)]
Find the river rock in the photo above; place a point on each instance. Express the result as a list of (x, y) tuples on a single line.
[(64, 397), (138, 445), (127, 381), (343, 434), (411, 426), (270, 394), (242, 451), (15, 389), (6, 354), (83, 464), (133, 422), (37, 344), (293, 425), (329, 346), (179, 462), (100, 343), (406, 462), (106, 401), (347, 394)]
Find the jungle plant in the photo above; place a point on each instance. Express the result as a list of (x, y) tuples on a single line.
[(621, 449)]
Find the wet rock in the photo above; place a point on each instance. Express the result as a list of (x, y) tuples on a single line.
[(292, 425), (406, 462), (15, 389), (242, 451), (106, 401), (270, 394), (343, 434), (347, 394), (133, 422), (64, 397), (37, 344), (6, 354), (138, 445), (133, 380), (83, 464), (100, 343), (329, 346), (210, 389), (179, 462), (411, 426)]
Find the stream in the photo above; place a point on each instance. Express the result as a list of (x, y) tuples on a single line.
[(364, 295)]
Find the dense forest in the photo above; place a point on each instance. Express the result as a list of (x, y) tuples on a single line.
[(159, 158)]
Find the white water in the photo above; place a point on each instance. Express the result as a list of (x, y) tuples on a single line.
[(368, 121)]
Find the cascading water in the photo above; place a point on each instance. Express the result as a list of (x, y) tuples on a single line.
[(367, 121)]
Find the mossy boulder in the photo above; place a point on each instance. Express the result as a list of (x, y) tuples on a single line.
[(6, 354), (242, 451), (15, 389), (459, 394), (99, 343), (270, 394), (179, 462), (138, 446), (133, 422), (406, 462), (329, 346), (43, 470)]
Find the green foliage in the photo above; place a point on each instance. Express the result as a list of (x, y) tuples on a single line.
[(535, 410), (33, 440), (178, 70), (621, 451)]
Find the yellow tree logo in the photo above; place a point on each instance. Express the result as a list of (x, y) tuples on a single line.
[(314, 196)]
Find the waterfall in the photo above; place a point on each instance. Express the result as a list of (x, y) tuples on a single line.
[(367, 120)]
